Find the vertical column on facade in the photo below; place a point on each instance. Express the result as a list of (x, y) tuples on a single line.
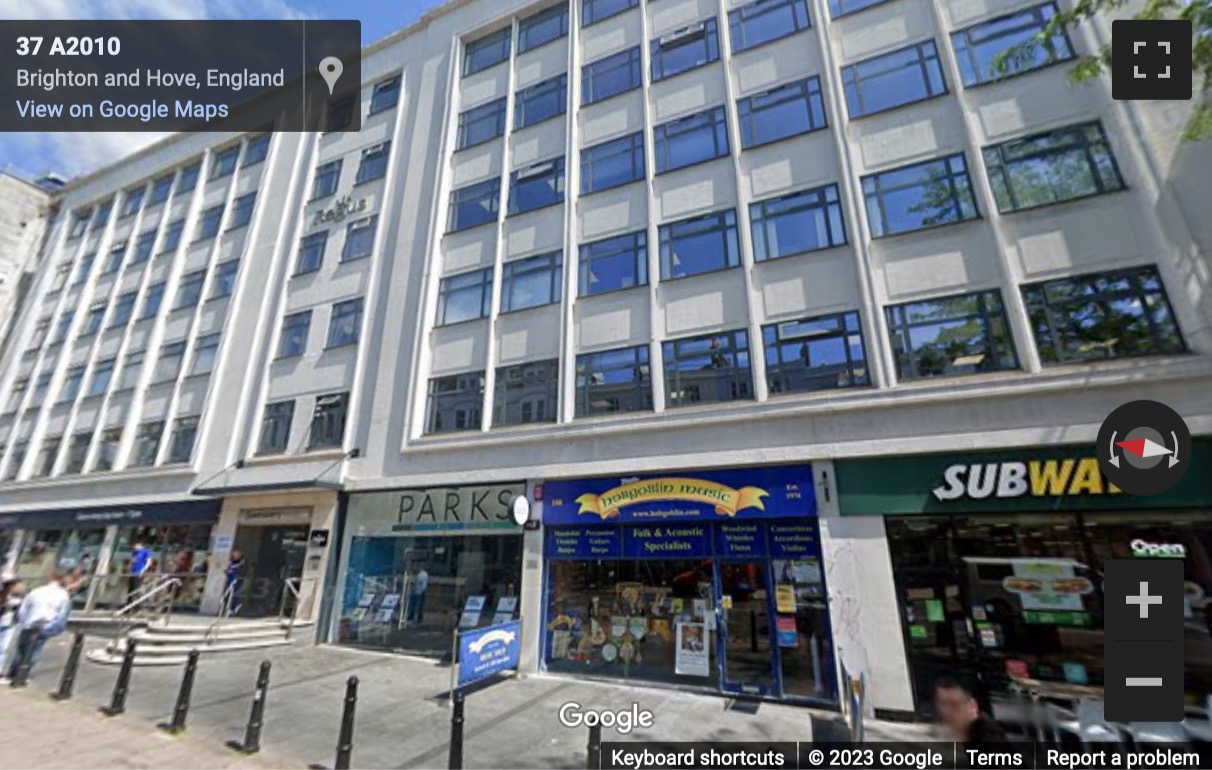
[(101, 565), (1010, 273), (753, 298), (422, 365), (656, 320), (498, 258), (877, 341), (572, 193)]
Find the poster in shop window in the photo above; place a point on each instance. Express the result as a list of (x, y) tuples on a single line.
[(1047, 585), (693, 656)]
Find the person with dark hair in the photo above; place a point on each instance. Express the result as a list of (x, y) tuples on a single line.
[(42, 615), (958, 710)]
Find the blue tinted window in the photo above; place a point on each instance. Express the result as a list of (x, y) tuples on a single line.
[(614, 263), (1052, 167), (709, 369), (225, 162), (685, 49), (258, 150), (540, 102), (593, 11), (532, 282), (455, 403), (487, 51), (475, 205), (293, 339), (526, 393), (481, 124), (116, 255), (789, 110), (190, 290), (386, 95), (1017, 36), (690, 140), (134, 199), (922, 195), (763, 21), (241, 210), (817, 353), (893, 79), (225, 278), (151, 302), (172, 236), (949, 336), (345, 324), (699, 245), (160, 190), (311, 252), (464, 297), (613, 381), (536, 186), (103, 212), (208, 223), (542, 28), (327, 177), (124, 308), (92, 321), (143, 247), (374, 163), (359, 239), (614, 75), (797, 223), (189, 178), (843, 7), (612, 163)]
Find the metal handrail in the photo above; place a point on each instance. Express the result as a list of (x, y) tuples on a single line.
[(290, 589), (212, 632), (143, 598)]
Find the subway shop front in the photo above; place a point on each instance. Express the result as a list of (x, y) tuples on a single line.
[(708, 580), (997, 561)]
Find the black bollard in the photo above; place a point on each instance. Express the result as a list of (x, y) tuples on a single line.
[(593, 750), (68, 683), (456, 733), (117, 703), (181, 710), (345, 740), (25, 643), (256, 718)]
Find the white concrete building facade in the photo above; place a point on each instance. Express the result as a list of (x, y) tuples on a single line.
[(624, 240)]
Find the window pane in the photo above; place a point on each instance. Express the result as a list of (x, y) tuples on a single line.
[(359, 239), (190, 290), (763, 21), (685, 49), (815, 354), (1101, 316), (487, 51), (915, 197), (346, 324), (464, 297), (613, 381), (1008, 45), (208, 222), (327, 178), (1052, 167), (143, 248), (257, 150), (328, 421), (540, 102), (151, 303), (789, 110), (699, 245), (482, 124), (711, 368), (690, 140), (964, 334), (526, 393), (242, 209), (103, 372), (593, 11), (611, 164), (224, 162), (172, 236), (189, 178), (842, 7), (293, 340), (542, 28), (455, 403), (374, 163), (206, 349), (797, 223), (532, 282), (893, 79), (133, 201), (185, 433), (611, 76), (225, 278), (536, 186), (311, 252), (275, 427), (386, 95), (160, 189), (614, 263), (475, 205)]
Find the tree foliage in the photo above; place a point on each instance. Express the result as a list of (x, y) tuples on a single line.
[(1198, 12)]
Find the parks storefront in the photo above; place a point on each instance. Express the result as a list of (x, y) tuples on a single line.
[(710, 580), (997, 560), (412, 560)]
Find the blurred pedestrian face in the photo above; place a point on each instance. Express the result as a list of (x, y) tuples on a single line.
[(955, 708)]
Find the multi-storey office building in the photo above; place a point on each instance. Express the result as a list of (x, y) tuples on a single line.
[(729, 290), (24, 213)]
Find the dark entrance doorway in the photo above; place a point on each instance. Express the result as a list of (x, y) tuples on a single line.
[(274, 555)]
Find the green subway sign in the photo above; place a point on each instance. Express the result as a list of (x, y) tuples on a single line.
[(1064, 478)]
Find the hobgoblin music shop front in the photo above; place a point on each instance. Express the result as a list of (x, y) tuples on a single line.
[(709, 580)]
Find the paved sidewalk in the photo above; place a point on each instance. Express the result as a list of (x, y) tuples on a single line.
[(402, 717)]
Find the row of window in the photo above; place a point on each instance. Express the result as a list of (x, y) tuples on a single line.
[(344, 328), (145, 452), (359, 243), (372, 166), (256, 150), (325, 431), (1007, 45), (1052, 167), (1084, 318)]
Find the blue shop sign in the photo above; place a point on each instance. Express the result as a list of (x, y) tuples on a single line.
[(740, 540), (794, 540), (489, 651), (667, 541), (726, 495), (584, 543)]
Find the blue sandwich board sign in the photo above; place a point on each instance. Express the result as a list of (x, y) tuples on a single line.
[(488, 651)]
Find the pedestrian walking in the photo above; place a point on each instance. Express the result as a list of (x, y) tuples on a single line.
[(140, 560), (959, 711), (43, 613), (234, 580), (12, 592)]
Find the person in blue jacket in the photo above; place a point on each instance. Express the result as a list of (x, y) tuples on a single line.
[(234, 579)]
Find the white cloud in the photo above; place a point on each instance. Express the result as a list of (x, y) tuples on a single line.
[(78, 153)]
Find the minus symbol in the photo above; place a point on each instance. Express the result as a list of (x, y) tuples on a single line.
[(1143, 681)]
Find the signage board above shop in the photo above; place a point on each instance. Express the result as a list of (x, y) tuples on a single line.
[(434, 509), (136, 514), (1057, 478), (733, 495)]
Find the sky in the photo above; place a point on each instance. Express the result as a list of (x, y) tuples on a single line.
[(71, 154)]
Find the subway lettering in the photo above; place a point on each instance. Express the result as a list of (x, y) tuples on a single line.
[(1037, 478)]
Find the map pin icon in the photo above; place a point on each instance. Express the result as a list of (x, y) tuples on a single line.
[(330, 70)]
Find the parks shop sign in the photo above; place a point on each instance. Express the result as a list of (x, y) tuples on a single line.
[(1059, 478), (434, 508)]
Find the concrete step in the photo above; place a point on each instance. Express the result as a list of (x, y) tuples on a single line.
[(200, 636), (177, 654), (193, 626)]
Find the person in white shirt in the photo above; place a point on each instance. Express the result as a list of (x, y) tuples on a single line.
[(41, 616), (12, 593), (416, 603)]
